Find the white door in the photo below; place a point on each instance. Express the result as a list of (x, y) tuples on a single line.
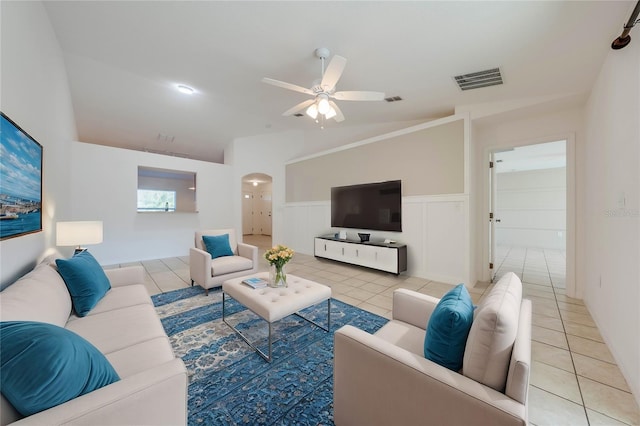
[(265, 213), (247, 213), (528, 199)]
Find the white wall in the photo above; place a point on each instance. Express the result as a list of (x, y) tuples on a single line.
[(531, 207), (264, 154), (35, 94), (268, 154), (612, 208), (525, 128), (104, 187), (437, 230)]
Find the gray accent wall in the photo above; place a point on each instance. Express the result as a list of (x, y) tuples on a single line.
[(428, 161)]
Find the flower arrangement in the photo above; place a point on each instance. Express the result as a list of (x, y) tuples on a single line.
[(278, 256)]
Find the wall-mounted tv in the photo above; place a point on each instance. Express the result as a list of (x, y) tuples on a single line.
[(20, 181), (375, 206)]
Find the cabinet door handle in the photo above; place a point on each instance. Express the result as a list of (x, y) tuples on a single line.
[(343, 251), (325, 247), (357, 255)]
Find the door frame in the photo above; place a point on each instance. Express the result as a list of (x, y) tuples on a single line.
[(573, 289), (247, 185), (492, 215)]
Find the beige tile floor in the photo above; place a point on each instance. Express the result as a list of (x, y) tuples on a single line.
[(574, 378)]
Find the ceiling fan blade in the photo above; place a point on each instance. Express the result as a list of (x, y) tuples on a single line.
[(299, 107), (339, 116), (354, 95), (287, 86), (333, 72)]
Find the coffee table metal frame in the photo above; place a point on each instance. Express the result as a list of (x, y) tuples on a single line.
[(268, 357)]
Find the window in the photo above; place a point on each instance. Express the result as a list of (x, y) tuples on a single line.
[(150, 200), (162, 190)]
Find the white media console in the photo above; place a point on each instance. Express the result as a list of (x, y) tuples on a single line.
[(390, 257)]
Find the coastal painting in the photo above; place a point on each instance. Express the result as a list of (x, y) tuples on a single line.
[(20, 181)]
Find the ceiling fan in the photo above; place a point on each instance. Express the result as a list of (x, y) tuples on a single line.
[(324, 90)]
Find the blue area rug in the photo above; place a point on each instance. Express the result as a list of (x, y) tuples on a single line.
[(230, 384)]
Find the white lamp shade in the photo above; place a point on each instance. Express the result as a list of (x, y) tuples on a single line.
[(323, 105), (332, 113), (78, 233), (312, 111)]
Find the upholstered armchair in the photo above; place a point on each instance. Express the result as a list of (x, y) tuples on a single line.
[(208, 272), (385, 379)]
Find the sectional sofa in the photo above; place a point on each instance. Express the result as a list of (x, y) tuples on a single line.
[(123, 326)]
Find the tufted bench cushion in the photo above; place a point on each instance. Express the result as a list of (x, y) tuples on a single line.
[(273, 304)]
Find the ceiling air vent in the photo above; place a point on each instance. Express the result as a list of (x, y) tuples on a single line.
[(393, 99), (479, 79)]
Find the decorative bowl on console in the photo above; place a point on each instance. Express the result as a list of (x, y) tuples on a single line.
[(363, 236)]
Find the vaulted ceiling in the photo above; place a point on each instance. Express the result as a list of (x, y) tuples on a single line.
[(124, 60)]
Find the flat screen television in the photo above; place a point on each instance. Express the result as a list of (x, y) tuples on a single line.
[(374, 206)]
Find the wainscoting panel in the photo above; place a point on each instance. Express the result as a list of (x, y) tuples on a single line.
[(435, 230), (304, 222), (446, 234), (413, 235)]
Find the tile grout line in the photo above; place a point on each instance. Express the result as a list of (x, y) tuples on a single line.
[(174, 272), (573, 363), (311, 266), (146, 271)]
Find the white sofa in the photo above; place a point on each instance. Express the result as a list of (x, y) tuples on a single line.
[(152, 389), (209, 273), (384, 378)]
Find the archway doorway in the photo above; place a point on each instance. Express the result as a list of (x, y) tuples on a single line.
[(257, 209)]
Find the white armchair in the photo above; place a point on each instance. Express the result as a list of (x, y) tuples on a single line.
[(384, 378), (209, 273)]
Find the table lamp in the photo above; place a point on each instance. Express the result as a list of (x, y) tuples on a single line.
[(78, 233)]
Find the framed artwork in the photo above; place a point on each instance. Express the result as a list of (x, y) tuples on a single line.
[(20, 181)]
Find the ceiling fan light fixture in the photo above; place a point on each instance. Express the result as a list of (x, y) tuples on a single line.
[(331, 113), (323, 93), (323, 104), (312, 111)]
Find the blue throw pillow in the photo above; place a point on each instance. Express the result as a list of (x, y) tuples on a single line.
[(43, 365), (448, 328), (217, 245), (85, 279)]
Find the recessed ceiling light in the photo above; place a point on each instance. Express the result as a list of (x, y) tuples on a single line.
[(185, 89)]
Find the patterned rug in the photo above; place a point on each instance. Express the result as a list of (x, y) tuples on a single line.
[(230, 384)]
